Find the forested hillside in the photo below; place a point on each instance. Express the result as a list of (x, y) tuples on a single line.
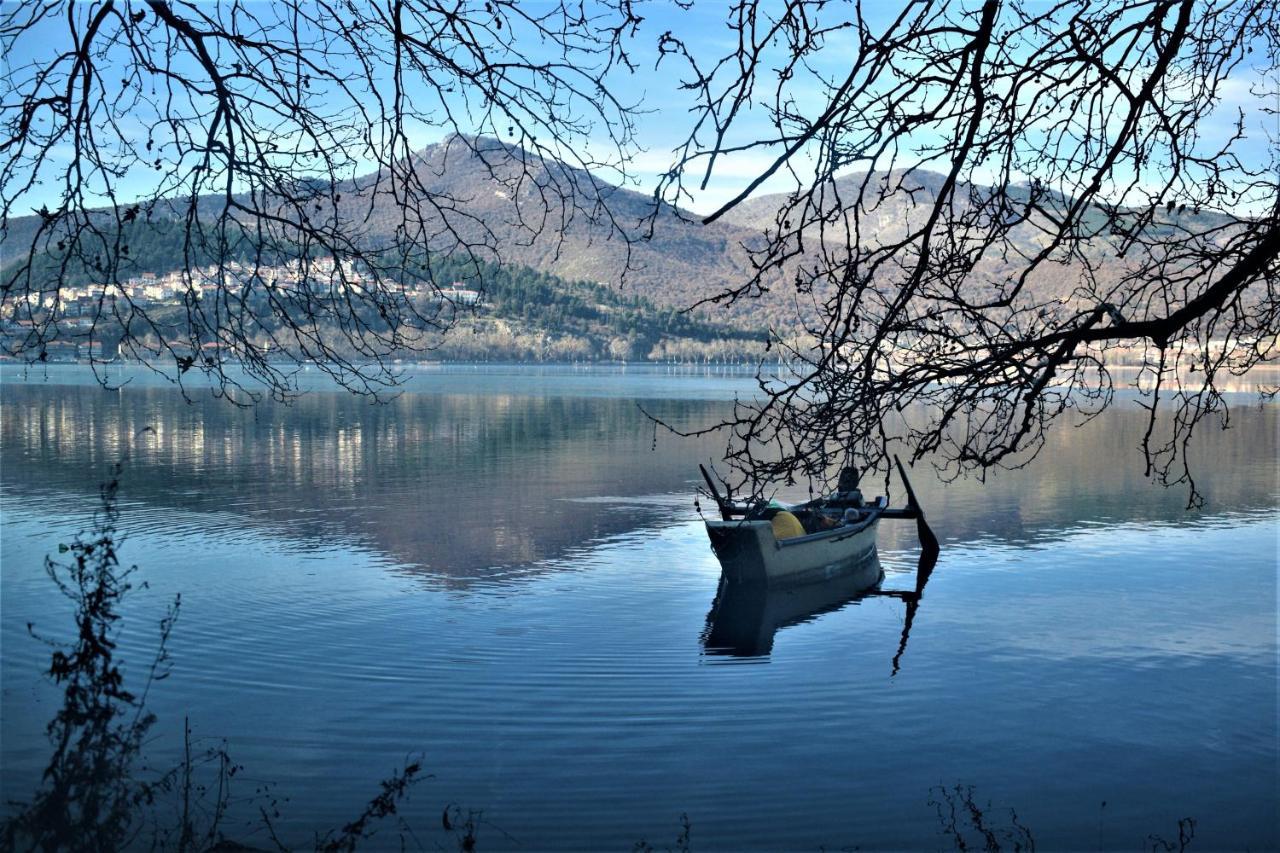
[(575, 289), (513, 311), (530, 315)]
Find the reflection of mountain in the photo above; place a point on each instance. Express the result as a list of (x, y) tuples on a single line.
[(464, 484), (1094, 475), (456, 484)]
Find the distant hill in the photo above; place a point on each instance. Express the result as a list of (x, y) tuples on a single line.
[(683, 261), (892, 215), (686, 261)]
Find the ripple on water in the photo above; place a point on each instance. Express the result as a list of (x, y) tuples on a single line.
[(346, 605)]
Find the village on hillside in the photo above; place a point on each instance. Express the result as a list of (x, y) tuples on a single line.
[(76, 309)]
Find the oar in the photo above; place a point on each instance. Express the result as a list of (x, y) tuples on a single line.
[(928, 559), (912, 600), (928, 542), (725, 512)]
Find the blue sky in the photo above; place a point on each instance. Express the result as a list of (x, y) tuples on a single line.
[(668, 118), (706, 27)]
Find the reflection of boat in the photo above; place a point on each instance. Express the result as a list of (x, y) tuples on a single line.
[(770, 557), (745, 617), (774, 545)]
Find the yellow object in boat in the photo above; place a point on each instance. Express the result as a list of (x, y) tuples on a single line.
[(786, 526)]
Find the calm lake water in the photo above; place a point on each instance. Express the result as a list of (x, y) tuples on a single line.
[(500, 571)]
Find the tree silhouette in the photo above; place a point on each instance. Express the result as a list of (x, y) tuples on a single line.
[(989, 206), (234, 135)]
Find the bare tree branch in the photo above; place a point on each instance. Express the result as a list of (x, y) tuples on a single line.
[(992, 208), (274, 147)]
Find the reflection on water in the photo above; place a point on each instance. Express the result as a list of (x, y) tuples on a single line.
[(501, 572), (467, 486), (745, 617), (460, 486)]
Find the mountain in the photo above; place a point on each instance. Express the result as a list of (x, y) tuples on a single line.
[(888, 219), (683, 262), (489, 188)]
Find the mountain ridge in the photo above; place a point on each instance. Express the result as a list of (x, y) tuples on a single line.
[(505, 201)]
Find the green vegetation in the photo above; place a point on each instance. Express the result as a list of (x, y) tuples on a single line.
[(523, 314), (528, 315), (157, 245)]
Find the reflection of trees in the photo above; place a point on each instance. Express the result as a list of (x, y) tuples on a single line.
[(464, 483), (457, 483), (1092, 474)]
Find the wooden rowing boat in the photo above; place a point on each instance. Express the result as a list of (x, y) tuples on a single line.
[(751, 552), (834, 536), (769, 569)]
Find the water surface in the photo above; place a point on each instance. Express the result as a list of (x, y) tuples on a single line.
[(503, 572)]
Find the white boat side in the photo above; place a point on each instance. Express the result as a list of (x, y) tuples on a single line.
[(749, 552)]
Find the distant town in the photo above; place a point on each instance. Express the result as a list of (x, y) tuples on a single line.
[(75, 308)]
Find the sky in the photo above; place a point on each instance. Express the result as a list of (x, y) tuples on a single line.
[(667, 115), (706, 26)]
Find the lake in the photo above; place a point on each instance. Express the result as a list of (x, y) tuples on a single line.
[(502, 571)]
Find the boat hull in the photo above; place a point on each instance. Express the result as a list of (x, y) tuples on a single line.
[(749, 553)]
